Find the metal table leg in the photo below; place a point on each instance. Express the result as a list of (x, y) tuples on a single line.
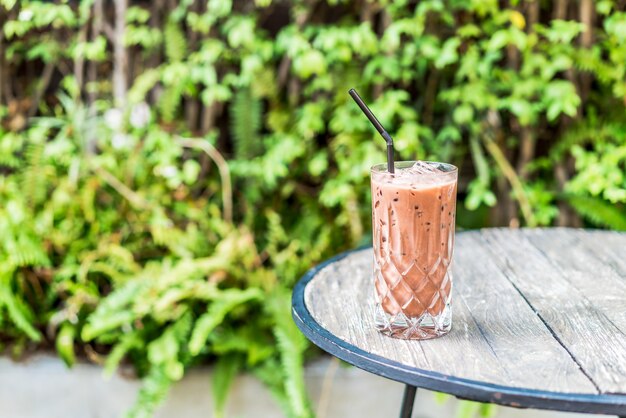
[(407, 401)]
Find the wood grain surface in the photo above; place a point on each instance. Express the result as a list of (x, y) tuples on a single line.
[(539, 309)]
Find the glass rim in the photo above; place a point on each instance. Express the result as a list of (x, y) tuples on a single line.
[(382, 167)]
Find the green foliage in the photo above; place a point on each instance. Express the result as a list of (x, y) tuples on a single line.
[(467, 409), (174, 287), (155, 386), (292, 345), (17, 311), (65, 343), (245, 123), (115, 233), (226, 302), (224, 374), (175, 43), (599, 212)]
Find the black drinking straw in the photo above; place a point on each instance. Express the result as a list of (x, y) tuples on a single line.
[(388, 139)]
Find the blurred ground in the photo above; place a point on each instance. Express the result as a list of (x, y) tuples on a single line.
[(43, 387)]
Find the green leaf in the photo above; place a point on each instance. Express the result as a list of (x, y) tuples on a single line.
[(463, 114), (143, 84), (448, 54), (467, 409), (224, 375), (175, 42), (219, 8), (478, 194), (523, 110), (167, 350), (153, 391), (441, 398), (137, 14), (498, 40), (488, 410), (616, 25), (103, 324), (191, 169), (245, 124), (273, 380), (291, 344), (318, 164), (216, 313), (599, 211), (8, 4), (561, 97), (126, 343), (564, 31), (604, 6), (65, 343), (480, 161), (309, 63), (240, 32), (170, 100), (19, 312), (163, 348)]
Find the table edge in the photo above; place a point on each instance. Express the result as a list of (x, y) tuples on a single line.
[(459, 387)]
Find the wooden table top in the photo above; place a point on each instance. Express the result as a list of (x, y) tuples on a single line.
[(539, 320)]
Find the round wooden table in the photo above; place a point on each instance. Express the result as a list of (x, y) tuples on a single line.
[(539, 321)]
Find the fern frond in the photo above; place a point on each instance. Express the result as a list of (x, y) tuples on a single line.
[(33, 176), (171, 100), (249, 339), (169, 350), (26, 250), (108, 270), (113, 311), (143, 84), (245, 124), (583, 133), (599, 211), (120, 257), (109, 258), (291, 345), (87, 200), (106, 323), (166, 234), (153, 392), (292, 364), (126, 343), (9, 160), (170, 298), (175, 42), (267, 373), (227, 301), (224, 375), (19, 312)]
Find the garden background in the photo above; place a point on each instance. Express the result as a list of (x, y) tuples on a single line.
[(169, 169)]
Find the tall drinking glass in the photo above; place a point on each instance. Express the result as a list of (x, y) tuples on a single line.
[(413, 219)]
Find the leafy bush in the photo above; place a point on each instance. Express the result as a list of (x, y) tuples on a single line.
[(169, 169), (152, 272)]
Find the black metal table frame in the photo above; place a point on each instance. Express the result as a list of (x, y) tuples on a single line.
[(461, 388)]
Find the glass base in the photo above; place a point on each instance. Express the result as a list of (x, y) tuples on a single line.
[(425, 327)]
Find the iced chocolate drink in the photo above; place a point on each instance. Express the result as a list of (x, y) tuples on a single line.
[(413, 212)]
